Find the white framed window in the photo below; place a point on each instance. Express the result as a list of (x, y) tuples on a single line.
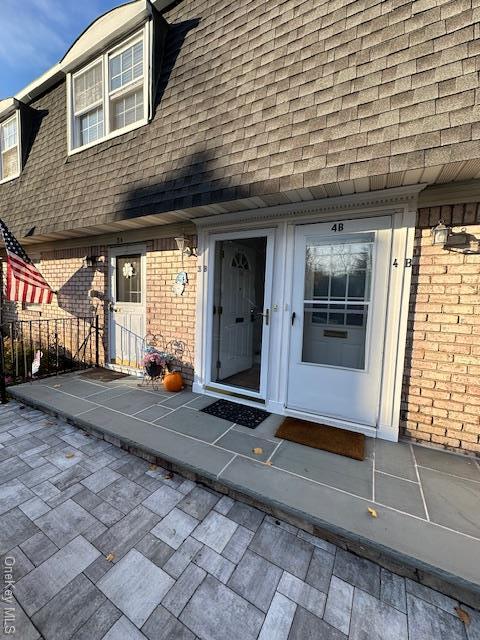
[(10, 148), (110, 95)]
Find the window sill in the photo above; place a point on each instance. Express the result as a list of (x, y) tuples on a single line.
[(10, 178), (110, 136)]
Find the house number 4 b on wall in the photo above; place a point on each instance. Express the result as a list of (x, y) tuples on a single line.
[(407, 264)]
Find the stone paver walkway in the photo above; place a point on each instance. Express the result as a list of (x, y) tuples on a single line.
[(96, 543), (427, 500)]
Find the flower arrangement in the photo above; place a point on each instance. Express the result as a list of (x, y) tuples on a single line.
[(157, 362)]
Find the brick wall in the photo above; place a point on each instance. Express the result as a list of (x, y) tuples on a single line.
[(171, 316), (441, 394), (83, 291)]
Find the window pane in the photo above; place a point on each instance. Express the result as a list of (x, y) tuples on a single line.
[(88, 88), (337, 279), (10, 163), (129, 280), (339, 270), (9, 134), (126, 66), (91, 126), (127, 110)]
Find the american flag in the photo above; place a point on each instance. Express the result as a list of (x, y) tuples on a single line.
[(25, 283)]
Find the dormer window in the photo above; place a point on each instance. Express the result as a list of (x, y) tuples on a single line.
[(110, 95), (10, 148)]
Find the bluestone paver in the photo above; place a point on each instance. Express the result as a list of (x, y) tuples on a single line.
[(256, 580), (215, 531), (150, 582), (36, 588)]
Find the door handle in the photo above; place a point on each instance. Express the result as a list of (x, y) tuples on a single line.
[(294, 315), (266, 315)]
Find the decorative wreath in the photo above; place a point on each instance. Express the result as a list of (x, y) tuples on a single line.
[(128, 270)]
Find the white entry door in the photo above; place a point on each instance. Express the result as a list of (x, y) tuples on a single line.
[(340, 288), (127, 309), (239, 309), (238, 306)]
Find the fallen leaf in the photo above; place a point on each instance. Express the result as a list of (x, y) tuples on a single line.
[(110, 557), (152, 467), (373, 512), (55, 386), (463, 615), (69, 455), (168, 476), (257, 451), (269, 462)]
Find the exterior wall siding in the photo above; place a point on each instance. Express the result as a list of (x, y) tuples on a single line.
[(262, 97), (441, 392)]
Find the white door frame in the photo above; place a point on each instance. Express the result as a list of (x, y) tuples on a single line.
[(401, 204), (113, 252), (269, 234)]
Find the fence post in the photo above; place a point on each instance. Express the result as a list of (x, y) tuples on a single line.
[(97, 341)]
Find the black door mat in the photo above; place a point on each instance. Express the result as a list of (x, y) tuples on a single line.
[(239, 413), (103, 375)]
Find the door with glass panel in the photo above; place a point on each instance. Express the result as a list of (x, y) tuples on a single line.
[(241, 312), (127, 307), (338, 317)]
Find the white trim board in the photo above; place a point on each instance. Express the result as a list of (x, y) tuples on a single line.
[(401, 205)]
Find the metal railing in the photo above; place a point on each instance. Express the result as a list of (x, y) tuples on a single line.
[(38, 348)]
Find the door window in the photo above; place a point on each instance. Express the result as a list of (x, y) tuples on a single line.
[(338, 275), (129, 278)]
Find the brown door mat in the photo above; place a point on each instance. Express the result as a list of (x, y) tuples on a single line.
[(320, 436), (103, 375)]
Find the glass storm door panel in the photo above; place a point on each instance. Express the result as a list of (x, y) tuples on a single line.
[(339, 307), (239, 315), (127, 308)]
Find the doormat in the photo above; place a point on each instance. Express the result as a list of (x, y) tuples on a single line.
[(103, 375), (320, 436), (239, 413)]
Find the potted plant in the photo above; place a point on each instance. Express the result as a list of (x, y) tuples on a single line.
[(153, 363)]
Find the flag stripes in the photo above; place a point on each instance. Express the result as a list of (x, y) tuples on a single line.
[(25, 283)]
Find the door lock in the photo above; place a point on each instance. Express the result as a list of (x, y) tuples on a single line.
[(266, 315)]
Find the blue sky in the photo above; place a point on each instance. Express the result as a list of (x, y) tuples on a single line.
[(34, 35)]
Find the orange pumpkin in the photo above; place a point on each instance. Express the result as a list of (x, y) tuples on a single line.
[(173, 381)]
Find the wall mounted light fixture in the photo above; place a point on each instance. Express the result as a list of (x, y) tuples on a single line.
[(184, 249), (460, 241), (90, 261), (440, 234)]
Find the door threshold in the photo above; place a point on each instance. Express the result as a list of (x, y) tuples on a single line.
[(226, 394), (332, 422), (132, 371)]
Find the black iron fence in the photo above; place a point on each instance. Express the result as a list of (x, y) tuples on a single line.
[(38, 348)]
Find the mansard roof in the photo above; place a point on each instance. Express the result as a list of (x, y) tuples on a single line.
[(267, 102)]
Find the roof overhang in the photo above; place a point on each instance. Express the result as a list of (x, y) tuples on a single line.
[(8, 106)]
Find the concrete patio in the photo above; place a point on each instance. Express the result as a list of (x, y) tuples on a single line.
[(98, 543), (426, 501)]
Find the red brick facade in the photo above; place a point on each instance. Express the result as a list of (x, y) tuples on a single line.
[(171, 316), (441, 394)]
